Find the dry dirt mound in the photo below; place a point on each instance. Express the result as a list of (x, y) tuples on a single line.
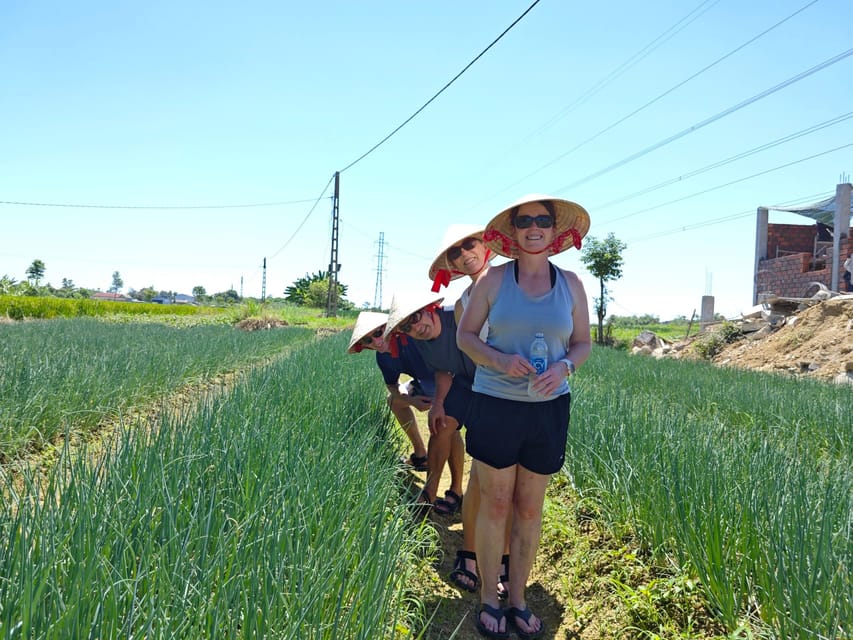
[(816, 342), (256, 324)]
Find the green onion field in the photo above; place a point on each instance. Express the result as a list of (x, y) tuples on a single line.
[(273, 508)]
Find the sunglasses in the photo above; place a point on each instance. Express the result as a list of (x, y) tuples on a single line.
[(412, 320), (456, 250), (545, 221), (368, 339)]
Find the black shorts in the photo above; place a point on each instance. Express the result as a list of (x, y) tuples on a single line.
[(457, 403), (502, 432)]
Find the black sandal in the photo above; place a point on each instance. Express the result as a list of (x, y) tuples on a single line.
[(417, 463), (449, 504), (513, 614), (503, 591), (497, 614), (459, 572)]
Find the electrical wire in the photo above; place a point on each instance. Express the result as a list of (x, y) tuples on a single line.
[(730, 159), (728, 184), (308, 215), (164, 207), (667, 35), (759, 96), (653, 101), (455, 78), (728, 218), (596, 88)]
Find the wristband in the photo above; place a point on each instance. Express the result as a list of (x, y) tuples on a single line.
[(570, 367)]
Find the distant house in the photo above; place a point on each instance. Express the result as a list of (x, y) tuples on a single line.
[(183, 298), (112, 297), (178, 298)]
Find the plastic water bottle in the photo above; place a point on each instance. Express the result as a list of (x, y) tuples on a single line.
[(539, 359)]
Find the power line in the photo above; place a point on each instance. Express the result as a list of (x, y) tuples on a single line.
[(707, 121), (596, 88), (456, 77), (728, 184), (730, 159), (728, 218), (672, 31), (308, 215), (656, 99), (164, 207)]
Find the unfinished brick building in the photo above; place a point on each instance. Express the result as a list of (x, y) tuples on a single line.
[(790, 258)]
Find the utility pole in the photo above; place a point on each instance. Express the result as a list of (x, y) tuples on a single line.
[(264, 283), (377, 293), (334, 267)]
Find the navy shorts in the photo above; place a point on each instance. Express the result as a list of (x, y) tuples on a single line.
[(457, 403), (502, 432)]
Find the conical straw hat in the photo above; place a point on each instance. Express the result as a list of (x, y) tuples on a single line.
[(366, 323), (405, 304), (571, 225)]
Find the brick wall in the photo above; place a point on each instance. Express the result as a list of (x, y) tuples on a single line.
[(783, 239), (791, 273)]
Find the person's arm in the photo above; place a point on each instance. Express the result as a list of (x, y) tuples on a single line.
[(421, 403), (580, 344), (475, 315), (436, 417)]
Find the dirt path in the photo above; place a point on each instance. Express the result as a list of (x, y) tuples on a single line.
[(454, 607), (584, 584)]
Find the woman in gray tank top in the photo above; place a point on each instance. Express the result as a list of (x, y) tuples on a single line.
[(462, 253), (515, 434)]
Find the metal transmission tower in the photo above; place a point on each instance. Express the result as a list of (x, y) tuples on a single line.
[(334, 267), (264, 282), (377, 293)]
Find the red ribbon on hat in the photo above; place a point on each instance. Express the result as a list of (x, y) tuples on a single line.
[(442, 279), (507, 243), (442, 276), (486, 258), (576, 237), (396, 334), (394, 341)]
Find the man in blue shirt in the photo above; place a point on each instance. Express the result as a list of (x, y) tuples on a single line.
[(394, 359), (433, 329)]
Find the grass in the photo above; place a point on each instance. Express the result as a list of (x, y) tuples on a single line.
[(77, 372), (44, 307), (743, 477), (622, 335), (699, 485), (273, 511)]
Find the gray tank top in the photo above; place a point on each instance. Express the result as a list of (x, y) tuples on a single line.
[(514, 319)]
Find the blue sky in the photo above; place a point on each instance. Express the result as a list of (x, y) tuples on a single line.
[(191, 104)]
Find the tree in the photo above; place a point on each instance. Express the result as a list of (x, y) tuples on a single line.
[(229, 297), (118, 283), (35, 271), (603, 258), (68, 289), (8, 286), (312, 290), (199, 292)]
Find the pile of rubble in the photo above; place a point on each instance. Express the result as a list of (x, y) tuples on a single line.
[(811, 337)]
